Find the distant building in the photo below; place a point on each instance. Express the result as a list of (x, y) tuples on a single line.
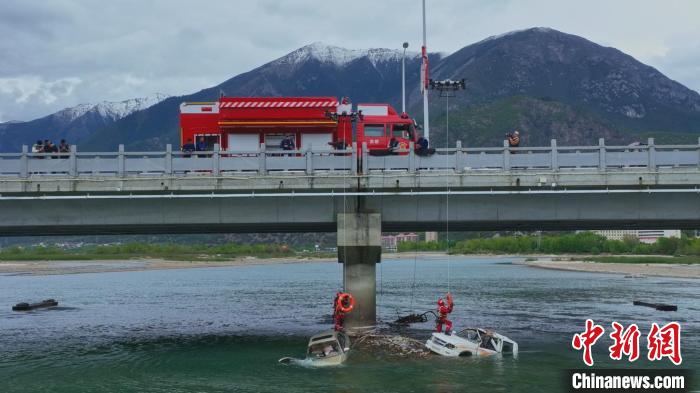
[(431, 236), (391, 242), (644, 235)]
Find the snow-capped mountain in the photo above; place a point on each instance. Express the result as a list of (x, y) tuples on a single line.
[(73, 124), (341, 57), (113, 110)]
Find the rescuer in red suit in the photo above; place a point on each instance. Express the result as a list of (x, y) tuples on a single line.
[(342, 304), (443, 311), (338, 315)]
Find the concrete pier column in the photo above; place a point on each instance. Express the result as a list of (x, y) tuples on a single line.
[(359, 250)]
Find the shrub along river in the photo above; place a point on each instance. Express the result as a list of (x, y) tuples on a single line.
[(223, 329)]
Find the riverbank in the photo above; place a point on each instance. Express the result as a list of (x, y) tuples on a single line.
[(628, 269), (106, 266), (52, 267)]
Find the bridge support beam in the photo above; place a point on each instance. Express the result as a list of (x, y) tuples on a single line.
[(359, 250)]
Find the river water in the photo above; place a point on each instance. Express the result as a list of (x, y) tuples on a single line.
[(223, 329)]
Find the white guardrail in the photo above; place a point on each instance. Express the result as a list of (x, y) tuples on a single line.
[(310, 161)]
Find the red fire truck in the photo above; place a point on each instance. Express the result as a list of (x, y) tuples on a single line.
[(243, 124)]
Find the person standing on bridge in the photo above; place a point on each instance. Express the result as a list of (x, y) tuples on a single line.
[(513, 139), (443, 311), (287, 143)]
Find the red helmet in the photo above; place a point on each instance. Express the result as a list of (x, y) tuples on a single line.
[(441, 302)]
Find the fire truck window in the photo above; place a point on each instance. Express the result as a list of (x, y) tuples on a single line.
[(403, 131), (210, 140), (374, 129), (274, 141)]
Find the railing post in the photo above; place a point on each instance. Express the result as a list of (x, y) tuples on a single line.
[(365, 158), (602, 164), (354, 155), (168, 159), (121, 162), (698, 152), (24, 162), (411, 157), (459, 156), (555, 156), (73, 161), (651, 154), (262, 157), (308, 154), (506, 156), (216, 160)]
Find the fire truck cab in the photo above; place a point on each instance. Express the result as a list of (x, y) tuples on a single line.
[(245, 124)]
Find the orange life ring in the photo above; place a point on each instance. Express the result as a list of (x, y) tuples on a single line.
[(403, 145), (341, 300)]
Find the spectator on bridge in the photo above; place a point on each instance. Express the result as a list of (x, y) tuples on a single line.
[(513, 139), (422, 147), (64, 147), (287, 143), (38, 147), (49, 147), (188, 148), (201, 144)]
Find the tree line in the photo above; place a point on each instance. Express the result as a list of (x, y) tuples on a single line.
[(575, 243)]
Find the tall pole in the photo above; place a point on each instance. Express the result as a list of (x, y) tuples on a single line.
[(403, 79), (426, 132)]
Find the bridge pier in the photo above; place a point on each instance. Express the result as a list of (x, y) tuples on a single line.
[(359, 250)]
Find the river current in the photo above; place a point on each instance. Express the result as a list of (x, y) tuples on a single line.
[(223, 329)]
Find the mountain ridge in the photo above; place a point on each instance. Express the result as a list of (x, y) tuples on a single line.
[(542, 81)]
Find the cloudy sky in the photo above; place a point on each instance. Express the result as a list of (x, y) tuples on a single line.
[(59, 53)]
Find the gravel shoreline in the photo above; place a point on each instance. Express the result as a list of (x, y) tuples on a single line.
[(628, 269)]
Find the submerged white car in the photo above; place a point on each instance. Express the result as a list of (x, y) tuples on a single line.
[(329, 348), (471, 342)]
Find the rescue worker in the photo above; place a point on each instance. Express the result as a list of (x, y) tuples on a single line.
[(513, 139), (287, 143), (338, 314), (443, 311)]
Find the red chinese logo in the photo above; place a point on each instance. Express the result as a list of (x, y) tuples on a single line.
[(624, 342), (586, 340), (665, 342), (662, 342)]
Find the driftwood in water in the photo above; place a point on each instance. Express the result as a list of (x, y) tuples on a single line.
[(658, 306), (32, 306)]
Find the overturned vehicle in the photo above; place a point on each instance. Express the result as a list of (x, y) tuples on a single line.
[(329, 348), (471, 342)]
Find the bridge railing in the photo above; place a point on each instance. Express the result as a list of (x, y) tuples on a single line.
[(169, 162), (553, 157), (349, 161)]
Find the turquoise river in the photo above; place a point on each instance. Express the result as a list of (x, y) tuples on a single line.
[(223, 329)]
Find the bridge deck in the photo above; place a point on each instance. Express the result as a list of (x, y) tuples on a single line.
[(472, 189)]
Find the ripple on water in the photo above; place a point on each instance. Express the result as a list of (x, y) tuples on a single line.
[(224, 329)]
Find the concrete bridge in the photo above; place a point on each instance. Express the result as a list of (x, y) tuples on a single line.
[(352, 192)]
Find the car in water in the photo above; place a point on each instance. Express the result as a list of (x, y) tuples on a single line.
[(471, 342), (329, 348)]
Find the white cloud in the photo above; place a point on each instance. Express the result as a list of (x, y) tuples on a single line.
[(64, 52), (25, 89)]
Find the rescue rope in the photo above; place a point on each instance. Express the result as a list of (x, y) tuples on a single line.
[(447, 194), (415, 264)]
